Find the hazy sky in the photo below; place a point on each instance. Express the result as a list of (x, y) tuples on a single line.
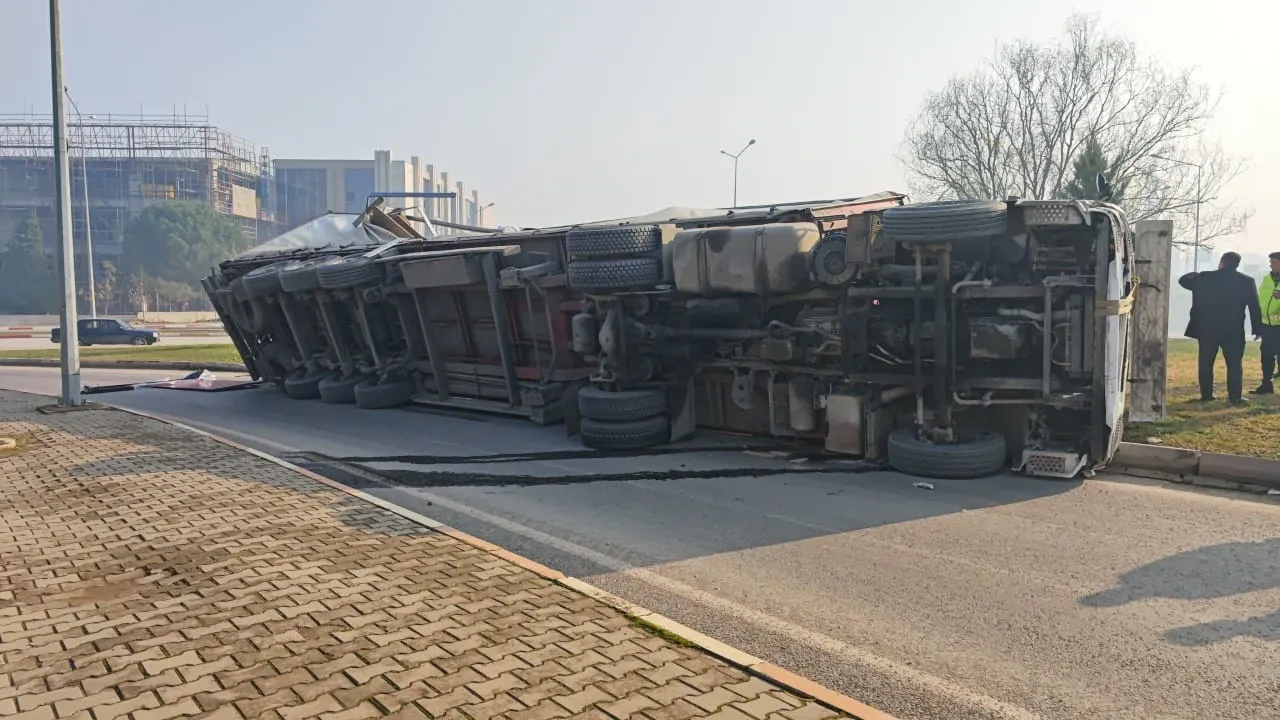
[(564, 110)]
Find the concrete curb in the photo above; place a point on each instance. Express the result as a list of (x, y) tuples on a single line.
[(172, 333), (1193, 467), (787, 680), (127, 364)]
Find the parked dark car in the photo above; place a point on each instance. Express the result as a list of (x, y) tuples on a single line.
[(109, 331)]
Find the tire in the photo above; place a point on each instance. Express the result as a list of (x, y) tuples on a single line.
[(301, 386), (139, 342), (945, 221), (340, 273), (372, 395), (618, 274), (257, 316), (300, 275), (236, 288), (631, 435), (612, 242), (235, 309), (979, 458), (338, 390), (621, 406), (263, 281)]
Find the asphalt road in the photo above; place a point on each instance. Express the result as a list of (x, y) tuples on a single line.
[(42, 343), (1000, 598)]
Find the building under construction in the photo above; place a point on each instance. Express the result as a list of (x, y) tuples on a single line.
[(130, 162)]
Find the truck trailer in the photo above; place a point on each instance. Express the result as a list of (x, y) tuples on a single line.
[(948, 339)]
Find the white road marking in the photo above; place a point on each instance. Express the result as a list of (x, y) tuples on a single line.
[(997, 708)]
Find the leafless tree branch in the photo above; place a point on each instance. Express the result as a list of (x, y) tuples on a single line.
[(1015, 126)]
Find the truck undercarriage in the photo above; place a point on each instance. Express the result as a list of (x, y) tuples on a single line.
[(949, 339)]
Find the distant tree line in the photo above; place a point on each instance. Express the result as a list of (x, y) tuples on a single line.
[(167, 249)]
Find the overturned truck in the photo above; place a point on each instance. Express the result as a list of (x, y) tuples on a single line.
[(949, 339)]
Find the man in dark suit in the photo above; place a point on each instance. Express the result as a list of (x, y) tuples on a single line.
[(1219, 301)]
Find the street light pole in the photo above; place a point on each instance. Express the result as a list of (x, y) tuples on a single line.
[(1199, 200), (735, 167), (66, 247), (88, 227)]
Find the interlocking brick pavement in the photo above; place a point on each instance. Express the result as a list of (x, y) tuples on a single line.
[(150, 573)]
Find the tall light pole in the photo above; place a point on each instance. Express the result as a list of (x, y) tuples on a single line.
[(66, 248), (1199, 200), (735, 167), (88, 229), (480, 214)]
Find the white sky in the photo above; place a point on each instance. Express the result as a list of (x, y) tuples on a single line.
[(563, 110)]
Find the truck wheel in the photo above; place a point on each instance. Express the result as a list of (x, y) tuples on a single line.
[(300, 275), (620, 274), (978, 458), (945, 221), (630, 435), (301, 386), (612, 242), (337, 390), (372, 395), (257, 316), (236, 288), (340, 273), (620, 406), (262, 281), (235, 309)]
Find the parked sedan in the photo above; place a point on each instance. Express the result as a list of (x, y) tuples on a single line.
[(109, 331)]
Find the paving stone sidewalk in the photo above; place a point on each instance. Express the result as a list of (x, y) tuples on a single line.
[(148, 572)]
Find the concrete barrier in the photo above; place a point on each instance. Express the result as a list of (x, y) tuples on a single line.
[(1175, 461), (1229, 472), (17, 333), (179, 318), (127, 364)]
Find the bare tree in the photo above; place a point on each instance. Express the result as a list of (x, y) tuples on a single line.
[(1017, 124)]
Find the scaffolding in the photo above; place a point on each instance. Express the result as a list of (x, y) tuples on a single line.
[(130, 161)]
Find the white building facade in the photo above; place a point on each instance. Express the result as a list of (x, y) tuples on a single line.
[(307, 189)]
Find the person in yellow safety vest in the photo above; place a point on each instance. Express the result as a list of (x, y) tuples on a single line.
[(1269, 300)]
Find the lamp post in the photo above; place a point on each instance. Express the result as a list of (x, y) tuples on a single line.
[(735, 167), (70, 351), (1199, 200), (88, 228), (480, 214)]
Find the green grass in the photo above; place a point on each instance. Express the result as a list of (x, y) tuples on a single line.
[(642, 624), (159, 353), (1252, 430)]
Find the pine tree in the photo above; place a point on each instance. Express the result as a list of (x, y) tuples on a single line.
[(27, 282), (1084, 182)]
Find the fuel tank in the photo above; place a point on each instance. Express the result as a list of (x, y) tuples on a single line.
[(755, 259)]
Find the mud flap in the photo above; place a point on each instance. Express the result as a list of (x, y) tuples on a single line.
[(684, 416)]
